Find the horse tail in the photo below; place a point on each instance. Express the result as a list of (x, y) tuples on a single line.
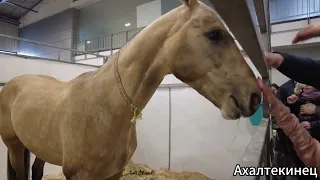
[(11, 174)]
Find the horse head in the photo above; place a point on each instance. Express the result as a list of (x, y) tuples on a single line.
[(203, 54)]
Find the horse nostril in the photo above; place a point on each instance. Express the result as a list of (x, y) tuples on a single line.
[(255, 102), (235, 101)]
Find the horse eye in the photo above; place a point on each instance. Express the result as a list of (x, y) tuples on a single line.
[(215, 35)]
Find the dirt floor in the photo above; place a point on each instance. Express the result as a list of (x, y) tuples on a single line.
[(143, 172)]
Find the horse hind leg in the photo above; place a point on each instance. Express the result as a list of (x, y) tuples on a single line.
[(37, 169), (18, 162), (11, 174)]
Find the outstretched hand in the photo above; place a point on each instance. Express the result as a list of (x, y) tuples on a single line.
[(267, 94), (307, 33), (274, 59), (307, 148), (292, 99), (277, 109)]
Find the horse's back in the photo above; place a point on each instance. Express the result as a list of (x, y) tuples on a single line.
[(26, 83)]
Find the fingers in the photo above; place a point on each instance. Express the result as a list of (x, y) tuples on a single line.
[(268, 95), (306, 124), (277, 109), (306, 33), (299, 38), (273, 59), (291, 99), (301, 35)]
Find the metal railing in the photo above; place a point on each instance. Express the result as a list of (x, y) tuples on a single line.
[(107, 42), (290, 10), (26, 47)]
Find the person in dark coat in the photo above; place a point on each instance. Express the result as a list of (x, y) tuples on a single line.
[(275, 88), (285, 90)]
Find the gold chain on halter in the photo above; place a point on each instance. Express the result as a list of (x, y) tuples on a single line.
[(137, 111)]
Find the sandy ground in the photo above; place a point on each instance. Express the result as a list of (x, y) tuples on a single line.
[(143, 172)]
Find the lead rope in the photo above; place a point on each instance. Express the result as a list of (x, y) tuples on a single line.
[(137, 112)]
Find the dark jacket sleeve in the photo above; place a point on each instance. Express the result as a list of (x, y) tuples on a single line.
[(301, 69), (315, 125), (317, 111), (282, 95)]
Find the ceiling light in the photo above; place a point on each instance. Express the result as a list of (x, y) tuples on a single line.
[(88, 42)]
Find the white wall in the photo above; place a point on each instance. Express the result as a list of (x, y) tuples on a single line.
[(94, 61), (148, 12), (45, 9), (202, 141), (12, 66), (153, 132), (278, 78)]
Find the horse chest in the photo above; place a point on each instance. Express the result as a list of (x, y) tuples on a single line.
[(124, 147), (114, 154)]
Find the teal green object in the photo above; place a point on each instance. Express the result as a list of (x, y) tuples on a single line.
[(256, 118)]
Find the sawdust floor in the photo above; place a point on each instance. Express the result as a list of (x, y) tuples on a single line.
[(143, 172)]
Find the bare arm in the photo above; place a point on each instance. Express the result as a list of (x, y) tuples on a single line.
[(307, 148)]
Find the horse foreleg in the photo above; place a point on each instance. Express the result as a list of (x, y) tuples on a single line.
[(37, 169), (19, 161), (116, 176), (81, 175)]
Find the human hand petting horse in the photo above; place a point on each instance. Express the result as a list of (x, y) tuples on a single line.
[(85, 126)]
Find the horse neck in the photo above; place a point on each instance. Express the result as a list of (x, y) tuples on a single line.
[(141, 62)]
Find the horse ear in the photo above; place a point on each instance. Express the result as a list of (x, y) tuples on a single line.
[(190, 3)]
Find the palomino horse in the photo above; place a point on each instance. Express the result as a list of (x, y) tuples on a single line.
[(85, 124)]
